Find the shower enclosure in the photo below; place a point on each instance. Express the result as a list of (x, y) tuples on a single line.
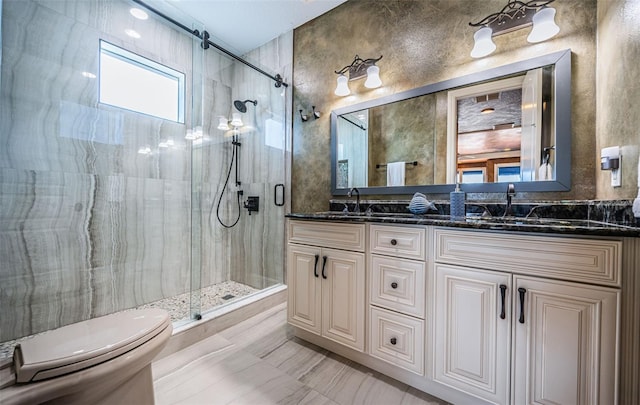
[(105, 208)]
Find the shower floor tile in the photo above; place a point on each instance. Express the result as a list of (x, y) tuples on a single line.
[(211, 297)]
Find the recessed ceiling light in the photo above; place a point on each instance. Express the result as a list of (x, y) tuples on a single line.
[(132, 33), (138, 13)]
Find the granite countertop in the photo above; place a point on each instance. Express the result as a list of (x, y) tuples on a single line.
[(515, 224)]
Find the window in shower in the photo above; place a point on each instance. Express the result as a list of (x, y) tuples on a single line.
[(132, 82)]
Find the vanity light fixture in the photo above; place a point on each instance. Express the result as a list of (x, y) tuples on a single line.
[(514, 16), (223, 124), (487, 110), (358, 69), (194, 134), (315, 114), (236, 121)]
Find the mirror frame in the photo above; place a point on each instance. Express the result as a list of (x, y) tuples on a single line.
[(562, 114)]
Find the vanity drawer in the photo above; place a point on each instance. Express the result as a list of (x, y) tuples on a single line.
[(398, 284), (333, 235), (397, 339), (398, 241), (596, 261)]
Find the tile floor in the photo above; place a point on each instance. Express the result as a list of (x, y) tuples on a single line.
[(260, 362)]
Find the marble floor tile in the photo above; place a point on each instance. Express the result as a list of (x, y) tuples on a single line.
[(259, 361)]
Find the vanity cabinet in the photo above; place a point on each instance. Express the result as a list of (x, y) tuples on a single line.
[(397, 294), (508, 337), (472, 331), (326, 281), (470, 316)]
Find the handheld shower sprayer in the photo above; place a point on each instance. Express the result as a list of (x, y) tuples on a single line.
[(242, 105)]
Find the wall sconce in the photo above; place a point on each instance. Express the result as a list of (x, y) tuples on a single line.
[(236, 122), (315, 114), (223, 124), (194, 134), (514, 16), (358, 69)]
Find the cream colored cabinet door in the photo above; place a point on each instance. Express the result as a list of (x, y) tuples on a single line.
[(564, 342), (343, 301), (304, 308), (472, 331)]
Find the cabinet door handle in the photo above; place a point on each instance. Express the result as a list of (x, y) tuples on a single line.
[(324, 263), (394, 242), (503, 290), (521, 291), (315, 266), (393, 341), (394, 285)]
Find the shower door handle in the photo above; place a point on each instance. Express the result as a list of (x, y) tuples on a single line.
[(275, 195)]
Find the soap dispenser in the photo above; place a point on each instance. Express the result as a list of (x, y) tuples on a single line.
[(456, 201)]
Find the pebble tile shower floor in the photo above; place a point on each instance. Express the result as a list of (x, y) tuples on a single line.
[(177, 306)]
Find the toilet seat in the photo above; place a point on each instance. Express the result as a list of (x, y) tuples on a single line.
[(81, 345)]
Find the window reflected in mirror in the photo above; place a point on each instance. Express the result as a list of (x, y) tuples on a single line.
[(504, 129)]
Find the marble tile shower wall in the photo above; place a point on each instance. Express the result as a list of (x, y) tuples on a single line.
[(88, 225), (252, 251)]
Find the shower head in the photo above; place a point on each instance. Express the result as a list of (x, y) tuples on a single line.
[(242, 105)]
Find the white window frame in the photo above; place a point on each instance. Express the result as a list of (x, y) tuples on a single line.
[(147, 64), (462, 171), (498, 166)]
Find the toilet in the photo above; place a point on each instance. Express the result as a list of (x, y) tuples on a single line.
[(105, 360)]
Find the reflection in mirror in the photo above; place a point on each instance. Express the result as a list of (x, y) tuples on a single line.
[(427, 138), (503, 130)]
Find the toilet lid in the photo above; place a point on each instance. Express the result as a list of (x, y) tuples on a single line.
[(84, 344)]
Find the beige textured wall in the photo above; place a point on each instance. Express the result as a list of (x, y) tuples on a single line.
[(618, 118), (404, 132), (424, 42)]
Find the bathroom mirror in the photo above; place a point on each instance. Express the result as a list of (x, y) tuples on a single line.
[(484, 129)]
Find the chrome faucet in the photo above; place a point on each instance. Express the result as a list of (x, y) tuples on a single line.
[(350, 193), (511, 191)]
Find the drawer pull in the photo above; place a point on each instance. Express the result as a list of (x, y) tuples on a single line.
[(394, 242), (315, 266), (521, 291), (393, 341), (503, 290), (324, 263), (394, 285)]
